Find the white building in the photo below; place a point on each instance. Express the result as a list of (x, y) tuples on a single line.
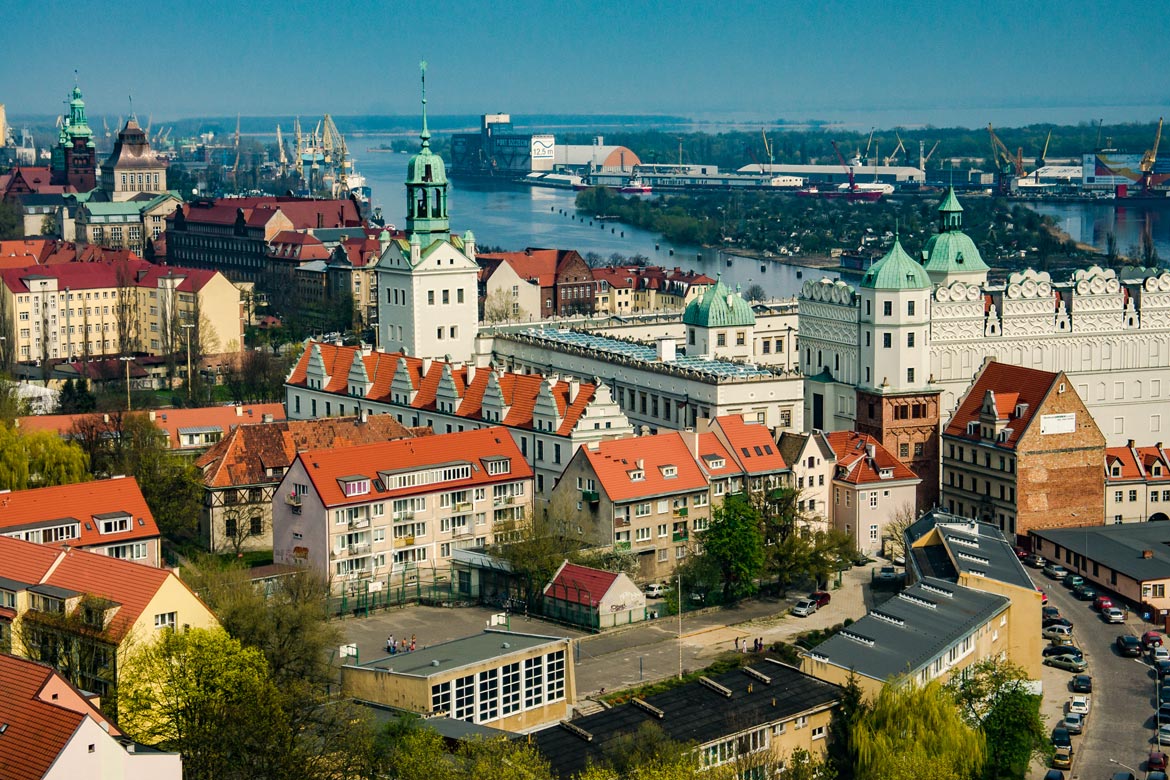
[(427, 284)]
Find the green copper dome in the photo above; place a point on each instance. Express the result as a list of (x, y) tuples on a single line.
[(719, 308), (951, 251), (896, 271), (426, 186)]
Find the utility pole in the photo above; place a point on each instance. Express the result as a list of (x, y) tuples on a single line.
[(127, 359), (680, 609), (187, 327)]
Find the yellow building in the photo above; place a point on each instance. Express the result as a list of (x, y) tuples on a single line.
[(75, 310), (750, 719), (509, 681), (84, 613)]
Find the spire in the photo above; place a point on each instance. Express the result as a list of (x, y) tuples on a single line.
[(426, 134), (950, 212)]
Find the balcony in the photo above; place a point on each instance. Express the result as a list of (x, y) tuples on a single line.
[(359, 549), (625, 546), (463, 506), (679, 536), (592, 496), (403, 541), (621, 522), (681, 511), (292, 499), (362, 523), (407, 515)]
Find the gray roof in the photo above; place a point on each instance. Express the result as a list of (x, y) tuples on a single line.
[(1119, 547), (909, 631), (968, 547), (458, 653), (692, 713), (8, 584), (448, 728)]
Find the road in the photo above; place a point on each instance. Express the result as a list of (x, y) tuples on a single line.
[(1120, 725)]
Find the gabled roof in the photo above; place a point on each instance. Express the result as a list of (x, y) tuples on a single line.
[(519, 391), (38, 725), (171, 421), (637, 466), (750, 445), (1137, 464), (792, 445), (82, 502), (962, 545), (1026, 386), (854, 466), (328, 469), (106, 274), (129, 585), (245, 455), (580, 584)]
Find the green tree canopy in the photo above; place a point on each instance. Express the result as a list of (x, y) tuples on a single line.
[(733, 541), (39, 459), (993, 696)]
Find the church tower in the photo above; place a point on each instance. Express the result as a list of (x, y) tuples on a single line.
[(428, 299), (897, 402), (950, 255), (74, 160)]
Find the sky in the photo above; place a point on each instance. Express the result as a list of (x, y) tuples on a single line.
[(914, 61)]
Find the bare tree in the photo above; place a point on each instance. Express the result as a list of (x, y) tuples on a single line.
[(241, 522), (894, 537), (126, 311)]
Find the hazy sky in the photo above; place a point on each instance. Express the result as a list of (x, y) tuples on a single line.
[(765, 58)]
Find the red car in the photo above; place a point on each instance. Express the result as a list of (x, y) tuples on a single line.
[(821, 597), (1156, 762), (1151, 639), (1102, 602)]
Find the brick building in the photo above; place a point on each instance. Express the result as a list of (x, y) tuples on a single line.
[(1022, 452), (564, 278)]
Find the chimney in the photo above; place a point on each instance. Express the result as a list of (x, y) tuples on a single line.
[(267, 418), (641, 463), (1129, 444), (666, 350), (471, 374), (239, 411), (426, 366), (152, 419), (574, 388), (1147, 554), (870, 451), (363, 415)]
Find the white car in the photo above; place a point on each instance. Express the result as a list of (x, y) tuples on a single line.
[(655, 591), (804, 608), (1057, 632), (1112, 615), (1079, 704), (1163, 735), (1159, 653)]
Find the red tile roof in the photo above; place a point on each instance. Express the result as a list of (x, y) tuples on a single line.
[(580, 584), (327, 467), (519, 391), (105, 274), (23, 253), (711, 450), (615, 462), (170, 421), (245, 455), (539, 265), (1137, 463), (131, 585), (82, 502), (1017, 384), (856, 468), (750, 444), (36, 730)]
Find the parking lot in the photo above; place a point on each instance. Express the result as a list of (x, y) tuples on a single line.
[(1121, 724)]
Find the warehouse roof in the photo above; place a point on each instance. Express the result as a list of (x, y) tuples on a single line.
[(458, 653), (1122, 548)]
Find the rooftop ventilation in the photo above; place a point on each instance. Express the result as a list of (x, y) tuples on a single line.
[(919, 600), (722, 690), (750, 672), (642, 704), (892, 619), (974, 558), (858, 638), (938, 589), (576, 730)]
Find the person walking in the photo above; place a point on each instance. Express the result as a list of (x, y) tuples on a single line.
[(390, 644), (737, 644)]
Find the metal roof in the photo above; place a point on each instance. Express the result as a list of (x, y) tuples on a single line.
[(447, 656), (911, 630), (201, 429), (967, 546), (1119, 547), (634, 351)]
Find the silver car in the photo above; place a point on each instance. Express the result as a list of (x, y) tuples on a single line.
[(804, 608)]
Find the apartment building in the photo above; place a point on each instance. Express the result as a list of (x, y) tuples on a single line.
[(1023, 452), (108, 308), (871, 489), (104, 516), (360, 514), (558, 281), (1137, 483)]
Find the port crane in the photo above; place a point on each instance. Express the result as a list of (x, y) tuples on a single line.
[(899, 148), (336, 155), (848, 168), (923, 159), (1149, 158), (236, 165), (768, 150), (1007, 164), (1042, 160), (280, 148)]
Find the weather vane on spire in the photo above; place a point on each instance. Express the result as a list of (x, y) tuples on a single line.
[(426, 134)]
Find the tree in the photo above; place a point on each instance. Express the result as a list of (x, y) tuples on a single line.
[(500, 759), (76, 397), (11, 225), (894, 537), (126, 310), (842, 753), (755, 292), (498, 306), (49, 226), (993, 695), (11, 404), (733, 541), (203, 694), (912, 732), (39, 459), (534, 557)]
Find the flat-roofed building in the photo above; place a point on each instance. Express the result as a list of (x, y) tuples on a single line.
[(509, 681)]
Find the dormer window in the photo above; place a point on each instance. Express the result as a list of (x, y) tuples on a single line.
[(112, 522), (1116, 471), (669, 472), (636, 475), (972, 428), (717, 463), (355, 486), (886, 474), (1156, 470), (499, 466)]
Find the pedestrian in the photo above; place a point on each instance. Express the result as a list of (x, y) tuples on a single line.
[(737, 644), (390, 644), (412, 644)]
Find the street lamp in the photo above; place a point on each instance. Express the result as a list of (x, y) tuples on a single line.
[(187, 327), (1124, 766), (127, 359)]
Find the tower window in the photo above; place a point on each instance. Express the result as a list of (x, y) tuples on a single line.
[(909, 339), (910, 308), (910, 375), (427, 176), (888, 308), (887, 340)]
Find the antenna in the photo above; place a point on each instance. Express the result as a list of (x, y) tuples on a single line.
[(132, 115), (426, 134)]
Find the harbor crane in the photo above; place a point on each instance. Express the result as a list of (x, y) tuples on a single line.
[(899, 148), (280, 150), (923, 159), (298, 160), (768, 150), (1149, 158), (236, 166), (1042, 160), (1006, 163)]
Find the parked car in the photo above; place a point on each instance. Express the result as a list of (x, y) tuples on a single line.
[(1102, 602), (1060, 621), (1156, 774), (1074, 722), (1054, 571), (1052, 650), (1079, 704), (1124, 775), (1049, 613), (1084, 593), (1112, 615), (1073, 581), (1054, 632), (1035, 561), (1151, 639), (804, 608), (1069, 663), (1129, 645), (1055, 774), (1163, 695), (821, 597), (1156, 761), (1061, 737), (1162, 669), (1159, 653), (1162, 736), (887, 574), (1061, 758), (1021, 553), (655, 590), (1162, 714), (1081, 683)]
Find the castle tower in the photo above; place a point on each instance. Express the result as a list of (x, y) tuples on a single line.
[(720, 323), (950, 255), (133, 166), (896, 401), (74, 160), (426, 187)]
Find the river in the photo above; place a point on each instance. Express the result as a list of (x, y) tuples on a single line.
[(514, 217), (1092, 223)]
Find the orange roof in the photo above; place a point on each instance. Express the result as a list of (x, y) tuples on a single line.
[(38, 724), (245, 455), (1017, 384), (327, 468), (1137, 463), (82, 502), (170, 421), (616, 463), (750, 444), (539, 265), (711, 451), (856, 468), (131, 585), (519, 391)]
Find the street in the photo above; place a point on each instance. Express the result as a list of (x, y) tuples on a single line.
[(1120, 725)]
